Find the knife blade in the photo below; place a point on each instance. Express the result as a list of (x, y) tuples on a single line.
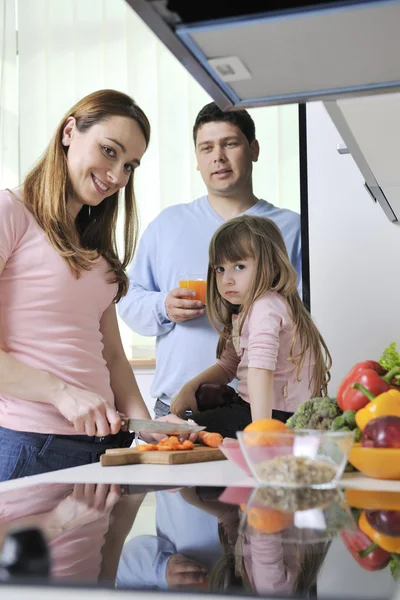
[(160, 426)]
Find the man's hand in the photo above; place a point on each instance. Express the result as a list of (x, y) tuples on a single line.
[(179, 309), (184, 400), (182, 571)]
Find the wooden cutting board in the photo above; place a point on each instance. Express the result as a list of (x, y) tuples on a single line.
[(131, 456)]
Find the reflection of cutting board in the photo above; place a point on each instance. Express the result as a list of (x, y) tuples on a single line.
[(131, 456)]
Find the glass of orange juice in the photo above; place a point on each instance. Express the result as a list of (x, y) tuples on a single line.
[(197, 283)]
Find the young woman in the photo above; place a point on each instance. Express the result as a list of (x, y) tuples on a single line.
[(268, 340), (64, 377)]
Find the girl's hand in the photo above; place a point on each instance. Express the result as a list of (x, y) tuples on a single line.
[(184, 400), (88, 412)]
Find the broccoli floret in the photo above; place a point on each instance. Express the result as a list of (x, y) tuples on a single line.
[(357, 435), (327, 410), (302, 416), (349, 417), (337, 423), (317, 413)]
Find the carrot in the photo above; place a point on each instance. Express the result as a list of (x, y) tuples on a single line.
[(147, 447), (172, 443), (210, 439), (186, 445)]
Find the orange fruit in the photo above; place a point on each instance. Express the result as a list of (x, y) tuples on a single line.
[(263, 427), (268, 520)]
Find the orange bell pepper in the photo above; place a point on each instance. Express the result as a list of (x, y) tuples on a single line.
[(388, 543)]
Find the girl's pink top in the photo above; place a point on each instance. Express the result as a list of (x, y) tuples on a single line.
[(265, 343), (49, 319)]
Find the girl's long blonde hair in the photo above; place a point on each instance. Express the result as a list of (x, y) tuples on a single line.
[(261, 239), (47, 187)]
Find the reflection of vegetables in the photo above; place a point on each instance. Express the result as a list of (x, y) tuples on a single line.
[(384, 521), (369, 374), (383, 405), (390, 544), (317, 413), (382, 433), (394, 566), (373, 500), (365, 552)]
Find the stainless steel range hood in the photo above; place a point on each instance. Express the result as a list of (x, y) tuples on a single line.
[(345, 53), (322, 50), (370, 129)]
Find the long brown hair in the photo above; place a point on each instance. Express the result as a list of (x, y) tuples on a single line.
[(229, 572), (261, 239), (47, 187)]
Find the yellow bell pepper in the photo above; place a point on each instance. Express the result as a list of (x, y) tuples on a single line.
[(390, 544), (384, 405)]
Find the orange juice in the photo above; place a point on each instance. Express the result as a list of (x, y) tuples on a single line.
[(197, 285)]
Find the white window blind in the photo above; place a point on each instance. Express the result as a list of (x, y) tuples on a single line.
[(69, 48)]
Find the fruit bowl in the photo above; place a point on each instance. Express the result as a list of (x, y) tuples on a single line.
[(378, 463), (299, 458)]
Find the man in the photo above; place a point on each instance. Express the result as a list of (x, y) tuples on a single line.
[(176, 243)]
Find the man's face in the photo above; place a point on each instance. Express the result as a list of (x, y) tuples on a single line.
[(225, 158)]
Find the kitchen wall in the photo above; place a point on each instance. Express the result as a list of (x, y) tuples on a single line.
[(354, 251)]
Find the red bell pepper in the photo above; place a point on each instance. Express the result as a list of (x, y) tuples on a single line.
[(369, 374), (368, 555)]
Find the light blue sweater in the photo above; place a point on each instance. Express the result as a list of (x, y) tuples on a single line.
[(174, 244)]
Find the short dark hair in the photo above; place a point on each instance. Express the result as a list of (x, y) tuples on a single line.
[(241, 118)]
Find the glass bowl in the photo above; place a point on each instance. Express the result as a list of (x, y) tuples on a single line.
[(301, 515), (296, 458), (233, 452)]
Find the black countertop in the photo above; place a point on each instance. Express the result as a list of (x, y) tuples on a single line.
[(265, 541)]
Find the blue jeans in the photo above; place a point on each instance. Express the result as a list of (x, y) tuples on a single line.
[(24, 453)]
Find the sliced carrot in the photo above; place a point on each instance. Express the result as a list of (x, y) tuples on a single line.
[(147, 447), (186, 445), (210, 439)]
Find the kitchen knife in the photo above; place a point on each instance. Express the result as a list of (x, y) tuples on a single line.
[(143, 425)]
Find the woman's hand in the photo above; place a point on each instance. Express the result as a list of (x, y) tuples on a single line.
[(184, 400), (88, 412), (87, 503)]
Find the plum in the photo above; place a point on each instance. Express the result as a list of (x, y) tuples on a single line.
[(383, 432)]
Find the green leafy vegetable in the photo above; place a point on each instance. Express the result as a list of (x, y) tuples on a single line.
[(390, 357)]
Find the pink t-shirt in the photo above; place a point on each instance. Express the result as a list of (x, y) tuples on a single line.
[(75, 551), (265, 343), (50, 320)]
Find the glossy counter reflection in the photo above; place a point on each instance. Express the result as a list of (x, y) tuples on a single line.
[(267, 541)]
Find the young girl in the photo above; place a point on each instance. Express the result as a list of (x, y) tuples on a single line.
[(268, 340)]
